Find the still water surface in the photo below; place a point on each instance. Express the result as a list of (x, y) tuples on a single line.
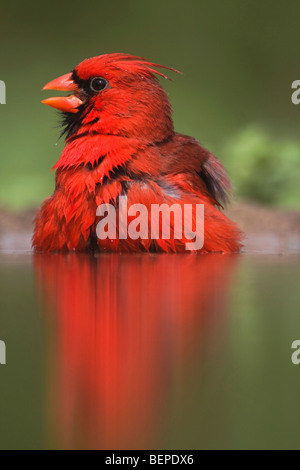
[(152, 352)]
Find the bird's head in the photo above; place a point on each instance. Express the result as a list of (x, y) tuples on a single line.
[(114, 94)]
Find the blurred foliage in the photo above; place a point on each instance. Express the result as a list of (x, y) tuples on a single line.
[(239, 59), (263, 168)]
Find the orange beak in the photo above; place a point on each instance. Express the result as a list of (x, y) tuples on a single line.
[(68, 104)]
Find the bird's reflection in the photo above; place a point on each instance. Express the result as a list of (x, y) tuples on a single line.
[(122, 329)]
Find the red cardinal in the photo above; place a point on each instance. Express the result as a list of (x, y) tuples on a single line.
[(120, 141)]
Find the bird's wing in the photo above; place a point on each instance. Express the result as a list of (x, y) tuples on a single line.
[(183, 155)]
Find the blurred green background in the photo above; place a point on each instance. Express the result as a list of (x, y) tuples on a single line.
[(239, 59)]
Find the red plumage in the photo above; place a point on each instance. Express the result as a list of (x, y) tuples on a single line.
[(121, 141)]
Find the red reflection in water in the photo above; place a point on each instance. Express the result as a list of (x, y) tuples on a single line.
[(124, 328)]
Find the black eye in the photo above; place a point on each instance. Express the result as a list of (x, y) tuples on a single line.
[(98, 84)]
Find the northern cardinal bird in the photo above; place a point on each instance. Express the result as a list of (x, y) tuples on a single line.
[(120, 141)]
